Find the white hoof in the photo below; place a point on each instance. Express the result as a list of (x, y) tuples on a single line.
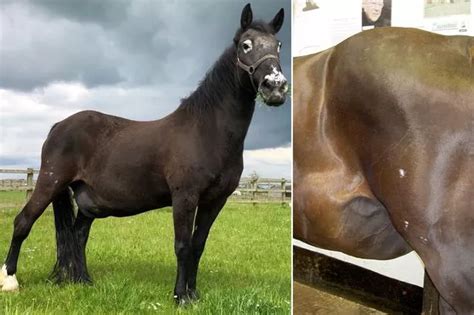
[(3, 274), (10, 284)]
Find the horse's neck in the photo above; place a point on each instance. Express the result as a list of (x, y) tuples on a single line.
[(223, 103), (233, 113), (232, 123)]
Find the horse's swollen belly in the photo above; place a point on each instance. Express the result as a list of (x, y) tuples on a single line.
[(94, 206), (368, 225), (364, 230)]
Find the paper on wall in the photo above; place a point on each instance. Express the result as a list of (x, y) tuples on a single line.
[(320, 24)]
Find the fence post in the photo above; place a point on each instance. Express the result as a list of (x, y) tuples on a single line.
[(29, 183), (283, 190), (254, 190)]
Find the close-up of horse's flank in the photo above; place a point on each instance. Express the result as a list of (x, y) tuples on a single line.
[(237, 157)]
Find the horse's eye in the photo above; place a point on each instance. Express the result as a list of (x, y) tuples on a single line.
[(279, 46), (247, 46)]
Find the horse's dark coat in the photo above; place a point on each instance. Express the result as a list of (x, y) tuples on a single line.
[(191, 159), (387, 116)]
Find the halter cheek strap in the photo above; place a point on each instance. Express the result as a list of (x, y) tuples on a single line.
[(253, 67)]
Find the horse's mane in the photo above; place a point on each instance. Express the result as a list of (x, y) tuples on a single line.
[(217, 83), (222, 77)]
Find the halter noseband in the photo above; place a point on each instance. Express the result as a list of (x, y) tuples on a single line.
[(253, 67)]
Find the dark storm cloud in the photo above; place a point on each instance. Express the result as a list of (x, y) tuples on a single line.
[(36, 50), (270, 127), (132, 44), (107, 13), (138, 39)]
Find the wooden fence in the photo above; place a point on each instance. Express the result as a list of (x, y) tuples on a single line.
[(251, 189), (362, 285), (262, 190), (19, 184)]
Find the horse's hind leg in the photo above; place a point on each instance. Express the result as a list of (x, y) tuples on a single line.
[(452, 273), (206, 214), (445, 308), (82, 228), (447, 251), (42, 196), (71, 238)]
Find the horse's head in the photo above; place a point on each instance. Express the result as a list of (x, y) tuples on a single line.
[(258, 56)]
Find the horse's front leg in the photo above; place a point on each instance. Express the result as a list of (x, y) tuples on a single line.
[(206, 214), (184, 208)]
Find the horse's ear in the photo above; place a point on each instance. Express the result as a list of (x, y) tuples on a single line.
[(277, 21), (246, 17)]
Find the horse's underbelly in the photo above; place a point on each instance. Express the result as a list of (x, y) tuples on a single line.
[(97, 205)]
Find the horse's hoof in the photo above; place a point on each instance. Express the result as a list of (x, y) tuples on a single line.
[(193, 295), (10, 284), (3, 274), (182, 300)]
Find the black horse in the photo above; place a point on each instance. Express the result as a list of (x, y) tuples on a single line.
[(194, 156)]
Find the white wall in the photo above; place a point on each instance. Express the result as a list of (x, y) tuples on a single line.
[(336, 20), (407, 268)]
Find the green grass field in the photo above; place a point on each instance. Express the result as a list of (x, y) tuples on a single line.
[(245, 268)]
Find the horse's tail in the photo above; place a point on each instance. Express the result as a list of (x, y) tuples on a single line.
[(69, 265)]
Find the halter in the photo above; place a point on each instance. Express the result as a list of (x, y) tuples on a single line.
[(252, 68)]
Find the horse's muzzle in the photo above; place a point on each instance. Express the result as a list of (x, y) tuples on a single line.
[(273, 92)]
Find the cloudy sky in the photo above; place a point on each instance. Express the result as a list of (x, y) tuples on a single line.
[(134, 59)]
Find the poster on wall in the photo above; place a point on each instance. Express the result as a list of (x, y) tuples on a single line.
[(376, 13), (320, 24), (449, 17)]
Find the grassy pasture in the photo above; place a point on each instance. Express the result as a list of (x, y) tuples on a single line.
[(245, 268)]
